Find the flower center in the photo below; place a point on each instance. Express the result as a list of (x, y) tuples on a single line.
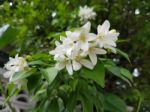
[(91, 48), (82, 37), (100, 36), (77, 58), (70, 44)]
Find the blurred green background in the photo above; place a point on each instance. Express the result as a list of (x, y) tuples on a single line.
[(35, 24)]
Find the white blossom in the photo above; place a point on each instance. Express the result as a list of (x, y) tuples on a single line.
[(86, 13), (105, 38), (82, 48), (93, 52), (14, 65), (84, 37), (71, 51)]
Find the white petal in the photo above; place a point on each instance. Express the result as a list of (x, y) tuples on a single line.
[(57, 43), (87, 27), (73, 35), (86, 63), (112, 36), (8, 74), (62, 38), (99, 51), (69, 68), (52, 52), (111, 43), (101, 44), (60, 65), (84, 46), (93, 57), (111, 48), (91, 36), (16, 55), (104, 27), (76, 65)]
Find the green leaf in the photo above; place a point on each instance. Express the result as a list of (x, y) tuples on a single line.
[(117, 72), (107, 61), (125, 55), (71, 102), (126, 74), (40, 56), (22, 74), (8, 36), (87, 105), (49, 74), (114, 104), (38, 62), (53, 107), (11, 88), (33, 80), (97, 74)]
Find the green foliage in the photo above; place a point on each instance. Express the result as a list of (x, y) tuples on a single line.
[(35, 25), (114, 104), (22, 74), (49, 74), (97, 74), (5, 38)]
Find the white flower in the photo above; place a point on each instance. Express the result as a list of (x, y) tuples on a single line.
[(105, 38), (73, 62), (81, 48), (65, 63), (82, 36), (86, 13), (14, 65), (78, 59), (72, 50), (93, 51), (3, 29)]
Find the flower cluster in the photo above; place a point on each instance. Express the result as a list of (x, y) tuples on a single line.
[(86, 13), (81, 48), (16, 64)]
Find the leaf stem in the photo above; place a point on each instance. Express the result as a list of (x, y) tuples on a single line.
[(139, 104)]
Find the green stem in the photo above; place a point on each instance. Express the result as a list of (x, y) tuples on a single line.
[(139, 104)]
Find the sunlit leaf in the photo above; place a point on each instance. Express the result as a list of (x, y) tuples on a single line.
[(126, 74), (8, 37), (117, 72), (97, 74), (49, 74), (125, 55), (114, 104), (22, 74)]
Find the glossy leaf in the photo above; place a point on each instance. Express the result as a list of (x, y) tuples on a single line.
[(87, 105), (126, 74), (8, 36), (53, 107), (71, 104), (38, 62), (125, 55), (49, 74), (97, 74), (33, 81), (114, 104), (22, 74), (117, 72)]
